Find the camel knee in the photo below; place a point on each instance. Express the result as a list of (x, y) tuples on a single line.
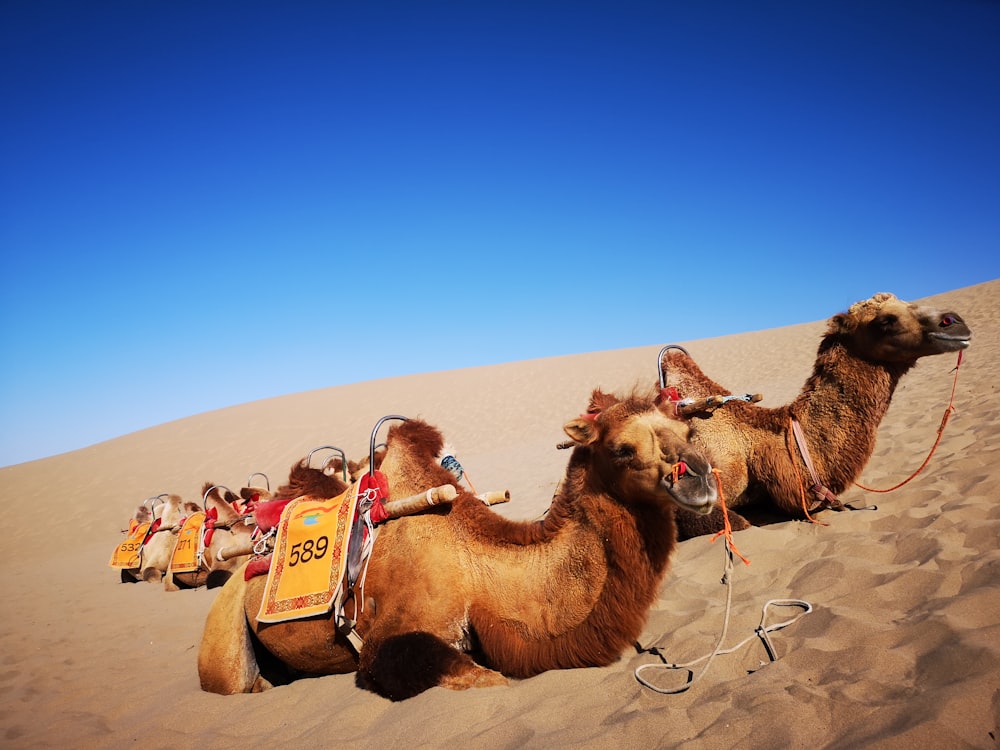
[(152, 575), (403, 666)]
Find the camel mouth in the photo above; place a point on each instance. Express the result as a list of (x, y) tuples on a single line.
[(692, 492), (950, 343)]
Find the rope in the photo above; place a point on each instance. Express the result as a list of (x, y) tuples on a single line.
[(727, 529), (727, 580), (759, 632), (692, 679), (944, 421), (789, 433)]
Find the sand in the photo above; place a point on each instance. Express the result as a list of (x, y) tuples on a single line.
[(901, 650)]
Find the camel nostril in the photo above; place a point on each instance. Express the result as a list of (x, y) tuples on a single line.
[(947, 320)]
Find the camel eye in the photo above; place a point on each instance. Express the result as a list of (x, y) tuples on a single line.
[(948, 320), (886, 323), (623, 452)]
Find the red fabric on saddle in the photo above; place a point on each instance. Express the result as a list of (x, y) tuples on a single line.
[(376, 481), (258, 566), (669, 394), (211, 516), (242, 507), (267, 514)]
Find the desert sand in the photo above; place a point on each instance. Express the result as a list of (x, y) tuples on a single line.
[(901, 650)]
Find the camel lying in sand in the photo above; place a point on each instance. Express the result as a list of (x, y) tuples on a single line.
[(226, 522), (572, 590), (159, 547), (861, 359)]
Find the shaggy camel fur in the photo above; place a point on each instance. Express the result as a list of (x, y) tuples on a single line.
[(458, 582), (861, 358)]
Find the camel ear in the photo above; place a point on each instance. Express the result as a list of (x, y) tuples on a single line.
[(599, 401), (842, 323), (582, 431)]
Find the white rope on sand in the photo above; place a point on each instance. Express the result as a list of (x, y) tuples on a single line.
[(760, 632)]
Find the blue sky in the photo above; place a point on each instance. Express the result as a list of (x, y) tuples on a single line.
[(337, 192)]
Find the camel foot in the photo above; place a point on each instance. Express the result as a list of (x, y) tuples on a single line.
[(260, 685), (475, 677), (403, 666), (128, 576)]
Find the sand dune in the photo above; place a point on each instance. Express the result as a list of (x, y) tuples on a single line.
[(902, 649)]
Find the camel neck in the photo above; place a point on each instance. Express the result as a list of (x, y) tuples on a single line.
[(840, 408), (610, 560)]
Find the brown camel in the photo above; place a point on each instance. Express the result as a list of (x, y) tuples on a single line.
[(159, 548), (226, 527), (461, 582), (146, 513), (861, 358)]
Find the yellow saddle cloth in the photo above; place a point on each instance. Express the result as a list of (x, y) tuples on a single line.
[(126, 554), (185, 558), (310, 557)]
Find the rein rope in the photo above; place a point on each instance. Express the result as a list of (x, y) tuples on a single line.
[(727, 579), (825, 498), (949, 410)]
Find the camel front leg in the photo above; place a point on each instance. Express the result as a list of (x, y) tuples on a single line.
[(168, 582), (405, 665)]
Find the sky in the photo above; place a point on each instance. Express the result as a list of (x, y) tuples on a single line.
[(209, 203)]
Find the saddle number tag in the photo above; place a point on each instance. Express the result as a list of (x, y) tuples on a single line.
[(307, 550), (185, 557), (310, 557), (126, 554)]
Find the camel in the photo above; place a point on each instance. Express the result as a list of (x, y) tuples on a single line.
[(144, 514), (861, 358), (159, 548), (228, 528), (460, 597)]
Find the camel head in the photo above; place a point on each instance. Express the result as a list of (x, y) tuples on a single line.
[(411, 461), (887, 329), (643, 452), (222, 499), (176, 508)]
